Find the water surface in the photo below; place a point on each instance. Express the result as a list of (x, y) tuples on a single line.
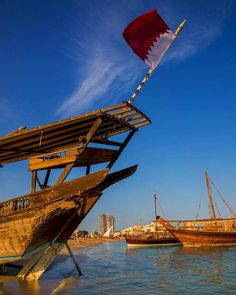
[(110, 268)]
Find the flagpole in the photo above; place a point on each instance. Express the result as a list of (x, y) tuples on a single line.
[(146, 78)]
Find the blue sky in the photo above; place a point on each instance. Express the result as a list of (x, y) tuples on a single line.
[(63, 58)]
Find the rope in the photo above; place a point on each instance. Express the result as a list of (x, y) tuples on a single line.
[(223, 199), (198, 209)]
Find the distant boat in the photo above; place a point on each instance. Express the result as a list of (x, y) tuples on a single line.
[(150, 241), (215, 231), (108, 232), (161, 237)]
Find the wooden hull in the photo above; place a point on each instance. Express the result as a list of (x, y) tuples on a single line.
[(141, 242), (201, 238), (52, 214)]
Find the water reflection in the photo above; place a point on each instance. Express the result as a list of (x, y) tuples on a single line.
[(12, 285), (113, 269)]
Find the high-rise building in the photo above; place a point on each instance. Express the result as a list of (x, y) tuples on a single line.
[(103, 224), (111, 222), (107, 223)]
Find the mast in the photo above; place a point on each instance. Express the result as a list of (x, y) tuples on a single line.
[(155, 205), (210, 198), (155, 208), (223, 199)]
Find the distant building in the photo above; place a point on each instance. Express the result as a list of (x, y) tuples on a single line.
[(111, 222), (103, 224), (106, 223), (139, 229)]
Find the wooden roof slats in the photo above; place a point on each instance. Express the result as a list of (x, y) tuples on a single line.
[(46, 139), (52, 144), (115, 107), (66, 133), (118, 113), (121, 121), (72, 133), (141, 120), (127, 114)]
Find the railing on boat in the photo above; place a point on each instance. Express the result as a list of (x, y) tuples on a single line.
[(14, 205), (224, 224)]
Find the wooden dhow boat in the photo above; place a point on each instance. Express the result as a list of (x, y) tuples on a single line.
[(151, 241), (42, 221), (159, 237), (215, 231), (37, 225)]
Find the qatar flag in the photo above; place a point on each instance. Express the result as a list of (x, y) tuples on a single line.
[(149, 37)]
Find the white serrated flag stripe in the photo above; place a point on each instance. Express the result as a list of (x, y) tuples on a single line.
[(159, 48)]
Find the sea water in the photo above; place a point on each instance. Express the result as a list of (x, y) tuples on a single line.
[(111, 268)]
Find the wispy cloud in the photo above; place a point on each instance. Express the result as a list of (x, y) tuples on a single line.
[(104, 73)]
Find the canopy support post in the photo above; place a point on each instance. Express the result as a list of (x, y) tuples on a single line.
[(126, 141), (74, 260), (33, 181)]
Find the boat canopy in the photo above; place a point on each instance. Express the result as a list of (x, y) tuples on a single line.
[(73, 133)]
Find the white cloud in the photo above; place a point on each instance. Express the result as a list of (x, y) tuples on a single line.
[(106, 73), (94, 85), (102, 72)]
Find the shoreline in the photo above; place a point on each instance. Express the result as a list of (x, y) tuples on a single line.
[(82, 243)]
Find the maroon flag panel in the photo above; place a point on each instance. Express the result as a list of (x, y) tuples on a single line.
[(149, 37)]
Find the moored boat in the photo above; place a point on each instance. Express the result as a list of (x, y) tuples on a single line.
[(159, 237), (215, 231), (133, 242), (198, 236)]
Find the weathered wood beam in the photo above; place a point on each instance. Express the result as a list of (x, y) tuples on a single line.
[(45, 183), (88, 169), (41, 163), (119, 106), (33, 181), (123, 122), (39, 183)]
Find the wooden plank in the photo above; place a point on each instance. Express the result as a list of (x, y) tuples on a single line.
[(33, 181), (40, 163), (31, 262), (89, 156)]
